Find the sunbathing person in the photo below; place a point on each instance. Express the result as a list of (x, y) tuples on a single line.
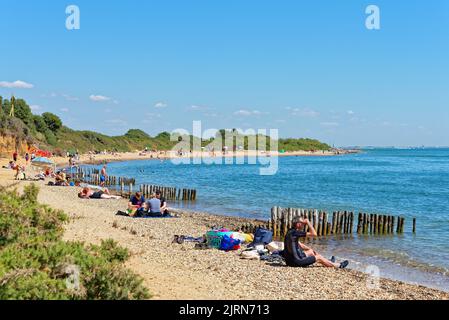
[(61, 179), (297, 254), (10, 165), (88, 193), (136, 203)]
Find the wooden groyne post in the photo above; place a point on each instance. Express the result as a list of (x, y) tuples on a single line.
[(169, 193), (341, 222)]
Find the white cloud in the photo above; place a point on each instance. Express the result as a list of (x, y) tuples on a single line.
[(65, 109), (350, 112), (195, 107), (161, 105), (35, 107), (153, 115), (16, 84), (246, 113), (303, 112), (69, 98), (99, 98), (329, 124), (118, 122)]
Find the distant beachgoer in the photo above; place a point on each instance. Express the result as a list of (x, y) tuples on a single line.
[(88, 193), (11, 165), (14, 156), (297, 254), (103, 176), (27, 157), (135, 203), (48, 172), (61, 179)]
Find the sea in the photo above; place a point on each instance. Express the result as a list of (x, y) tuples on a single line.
[(413, 183)]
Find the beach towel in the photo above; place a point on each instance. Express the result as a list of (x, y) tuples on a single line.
[(125, 214)]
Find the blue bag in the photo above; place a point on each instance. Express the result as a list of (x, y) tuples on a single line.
[(228, 243)]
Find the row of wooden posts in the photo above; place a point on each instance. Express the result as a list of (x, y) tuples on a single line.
[(110, 180), (169, 193), (92, 176), (341, 222), (126, 185)]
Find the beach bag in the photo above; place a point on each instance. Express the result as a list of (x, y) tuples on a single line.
[(214, 237), (262, 236), (229, 244)]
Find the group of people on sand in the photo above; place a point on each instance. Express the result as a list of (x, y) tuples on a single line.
[(155, 207)]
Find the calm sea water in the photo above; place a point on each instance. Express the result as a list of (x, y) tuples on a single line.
[(413, 183)]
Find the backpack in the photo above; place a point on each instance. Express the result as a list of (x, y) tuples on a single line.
[(262, 236)]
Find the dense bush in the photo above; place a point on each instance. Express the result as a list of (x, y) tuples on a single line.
[(36, 264), (49, 132), (52, 121)]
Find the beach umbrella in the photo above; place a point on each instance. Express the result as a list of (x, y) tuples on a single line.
[(42, 161)]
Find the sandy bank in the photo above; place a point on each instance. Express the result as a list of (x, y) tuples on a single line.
[(128, 156)]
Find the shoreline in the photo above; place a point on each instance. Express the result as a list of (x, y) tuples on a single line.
[(86, 159), (173, 271)]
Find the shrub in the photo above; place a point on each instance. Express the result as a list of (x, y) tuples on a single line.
[(53, 122), (36, 264)]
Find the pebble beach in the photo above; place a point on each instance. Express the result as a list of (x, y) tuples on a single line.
[(174, 271)]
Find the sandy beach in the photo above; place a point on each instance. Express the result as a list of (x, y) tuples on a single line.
[(173, 271), (129, 156)]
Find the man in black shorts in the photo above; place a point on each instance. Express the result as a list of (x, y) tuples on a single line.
[(297, 254)]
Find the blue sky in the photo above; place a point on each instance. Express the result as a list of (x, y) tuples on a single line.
[(308, 68)]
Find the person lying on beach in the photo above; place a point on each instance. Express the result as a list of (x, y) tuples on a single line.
[(136, 202), (88, 193), (9, 166), (297, 254)]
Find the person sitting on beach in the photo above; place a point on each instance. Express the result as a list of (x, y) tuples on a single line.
[(136, 202), (88, 193), (153, 206), (48, 172), (164, 205), (297, 254), (61, 179)]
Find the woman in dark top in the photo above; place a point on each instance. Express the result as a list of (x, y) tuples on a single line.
[(297, 254)]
